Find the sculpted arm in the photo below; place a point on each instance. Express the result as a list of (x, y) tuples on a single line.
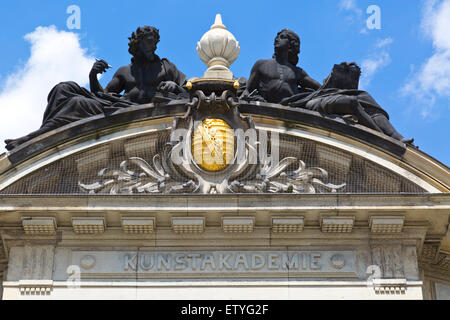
[(99, 66), (253, 81), (175, 79), (306, 81), (117, 83), (252, 91)]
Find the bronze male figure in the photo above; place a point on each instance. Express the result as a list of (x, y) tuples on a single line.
[(279, 78)]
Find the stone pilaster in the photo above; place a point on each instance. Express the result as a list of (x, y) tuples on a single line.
[(31, 266), (31, 263)]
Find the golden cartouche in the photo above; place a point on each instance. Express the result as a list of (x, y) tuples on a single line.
[(213, 144)]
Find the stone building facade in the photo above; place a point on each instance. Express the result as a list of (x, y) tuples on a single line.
[(351, 214)]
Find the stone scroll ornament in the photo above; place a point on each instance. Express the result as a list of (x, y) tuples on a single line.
[(209, 153)]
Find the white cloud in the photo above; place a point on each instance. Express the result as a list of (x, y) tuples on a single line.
[(356, 16), (350, 5), (381, 43), (56, 56), (432, 80), (378, 59)]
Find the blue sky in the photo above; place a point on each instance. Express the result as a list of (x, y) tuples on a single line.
[(406, 63)]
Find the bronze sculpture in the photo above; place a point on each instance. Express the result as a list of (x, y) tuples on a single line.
[(151, 79), (339, 95), (146, 78), (279, 80)]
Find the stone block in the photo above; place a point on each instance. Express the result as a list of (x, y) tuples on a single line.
[(133, 225), (238, 224), (39, 225), (86, 225), (287, 224), (386, 224), (337, 224), (188, 224)]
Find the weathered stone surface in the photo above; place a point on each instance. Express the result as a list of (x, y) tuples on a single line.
[(31, 263), (442, 291)]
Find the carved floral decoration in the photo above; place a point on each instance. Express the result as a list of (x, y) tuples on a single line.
[(155, 179)]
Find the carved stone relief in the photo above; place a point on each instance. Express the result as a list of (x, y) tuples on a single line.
[(211, 151)]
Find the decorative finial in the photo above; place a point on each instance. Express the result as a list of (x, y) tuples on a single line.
[(218, 22), (218, 49)]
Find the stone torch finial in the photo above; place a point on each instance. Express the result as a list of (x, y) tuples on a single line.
[(218, 49)]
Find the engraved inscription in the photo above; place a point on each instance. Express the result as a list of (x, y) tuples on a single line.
[(192, 263), (224, 261)]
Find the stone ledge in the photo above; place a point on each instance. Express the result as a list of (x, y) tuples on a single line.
[(151, 111)]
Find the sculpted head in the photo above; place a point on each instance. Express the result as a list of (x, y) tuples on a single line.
[(294, 44), (144, 40)]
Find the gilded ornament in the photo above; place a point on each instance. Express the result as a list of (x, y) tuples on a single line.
[(213, 144)]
